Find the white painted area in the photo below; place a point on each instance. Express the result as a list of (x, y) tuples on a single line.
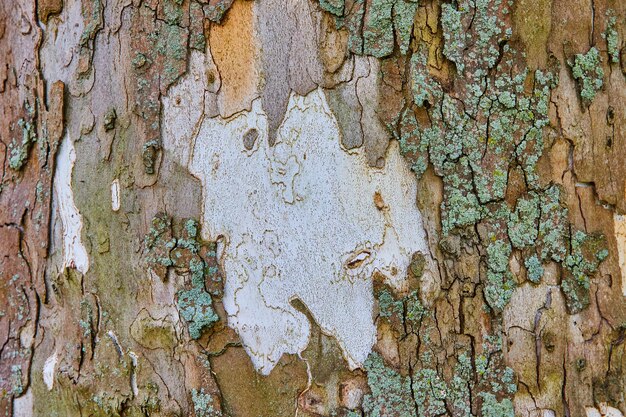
[(299, 222), (48, 371), (115, 195), (619, 222), (74, 252)]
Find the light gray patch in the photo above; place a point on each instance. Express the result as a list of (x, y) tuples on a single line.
[(375, 136), (305, 67), (275, 36), (345, 105), (290, 55)]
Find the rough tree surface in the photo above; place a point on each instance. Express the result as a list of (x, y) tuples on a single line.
[(347, 208)]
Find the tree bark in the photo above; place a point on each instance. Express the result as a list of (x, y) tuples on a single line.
[(312, 208)]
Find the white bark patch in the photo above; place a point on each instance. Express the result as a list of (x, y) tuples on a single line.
[(184, 106), (300, 222), (23, 406), (74, 252), (603, 410), (133, 374), (61, 45), (592, 412), (619, 222), (115, 195), (48, 371)]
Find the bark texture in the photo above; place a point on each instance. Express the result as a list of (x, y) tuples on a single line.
[(313, 208)]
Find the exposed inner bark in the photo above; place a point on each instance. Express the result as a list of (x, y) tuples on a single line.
[(314, 207)]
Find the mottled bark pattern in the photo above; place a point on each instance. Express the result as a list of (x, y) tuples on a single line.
[(116, 285)]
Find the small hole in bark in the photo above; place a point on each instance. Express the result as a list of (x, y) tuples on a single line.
[(210, 77), (358, 260), (249, 138), (610, 116)]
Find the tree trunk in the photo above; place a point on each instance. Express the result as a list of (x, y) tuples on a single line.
[(312, 208)]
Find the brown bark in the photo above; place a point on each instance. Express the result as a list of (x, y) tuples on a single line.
[(515, 306)]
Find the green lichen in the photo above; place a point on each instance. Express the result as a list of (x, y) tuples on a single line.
[(333, 6), (87, 318), (499, 289), (453, 34), (433, 389), (17, 387), (582, 262), (408, 310), (553, 225), (587, 71), (390, 392), (203, 404), (215, 11), (186, 255), (414, 311), (534, 268), (416, 152), (491, 407), (388, 305), (172, 11), (498, 253), (159, 241), (191, 227), (92, 13), (196, 308), (149, 155), (424, 89), (459, 386), (376, 29), (403, 14), (431, 392), (139, 60), (18, 151), (428, 393), (461, 205), (378, 39), (490, 125), (197, 40), (499, 284), (524, 221), (611, 36)]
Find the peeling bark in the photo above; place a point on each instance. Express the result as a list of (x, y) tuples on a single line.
[(312, 208)]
